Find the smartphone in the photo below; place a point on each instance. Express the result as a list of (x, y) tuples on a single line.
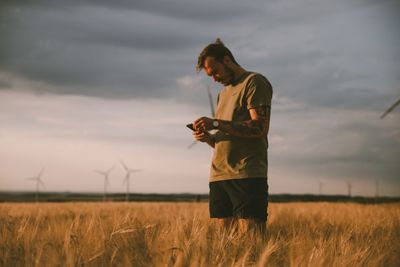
[(190, 126)]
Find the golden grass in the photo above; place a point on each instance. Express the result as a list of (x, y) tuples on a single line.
[(180, 234)]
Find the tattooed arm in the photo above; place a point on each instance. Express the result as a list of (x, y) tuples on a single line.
[(257, 127)]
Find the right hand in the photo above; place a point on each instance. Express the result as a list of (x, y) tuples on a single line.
[(201, 136)]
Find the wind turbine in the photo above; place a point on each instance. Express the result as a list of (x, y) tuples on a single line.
[(105, 174), (39, 182), (127, 178), (395, 104), (211, 102)]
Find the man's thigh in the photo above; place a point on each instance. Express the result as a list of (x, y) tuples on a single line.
[(220, 204), (241, 198), (249, 198)]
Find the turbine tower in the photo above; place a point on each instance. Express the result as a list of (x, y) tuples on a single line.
[(105, 174), (377, 189), (320, 186), (127, 178), (395, 104), (39, 183), (349, 187), (211, 102)]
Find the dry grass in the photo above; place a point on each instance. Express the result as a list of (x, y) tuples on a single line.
[(180, 234)]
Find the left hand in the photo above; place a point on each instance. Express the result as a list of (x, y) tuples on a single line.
[(201, 136), (203, 124)]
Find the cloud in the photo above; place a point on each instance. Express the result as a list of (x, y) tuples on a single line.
[(72, 135), (223, 10), (96, 51), (4, 84), (321, 55), (335, 144), (114, 74)]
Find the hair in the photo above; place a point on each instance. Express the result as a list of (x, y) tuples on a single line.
[(217, 50)]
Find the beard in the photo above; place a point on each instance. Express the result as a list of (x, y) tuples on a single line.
[(230, 75)]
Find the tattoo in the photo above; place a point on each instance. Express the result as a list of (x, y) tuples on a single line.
[(248, 128), (253, 128), (262, 111)]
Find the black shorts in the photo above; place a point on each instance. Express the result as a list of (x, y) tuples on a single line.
[(240, 198)]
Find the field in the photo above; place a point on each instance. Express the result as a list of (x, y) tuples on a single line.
[(181, 234)]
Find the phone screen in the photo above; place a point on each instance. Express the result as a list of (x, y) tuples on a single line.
[(190, 126)]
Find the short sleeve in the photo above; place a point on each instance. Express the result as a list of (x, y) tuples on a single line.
[(258, 92)]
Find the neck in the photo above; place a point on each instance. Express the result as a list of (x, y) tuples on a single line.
[(235, 70), (239, 71)]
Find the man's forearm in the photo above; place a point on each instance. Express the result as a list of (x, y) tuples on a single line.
[(246, 129)]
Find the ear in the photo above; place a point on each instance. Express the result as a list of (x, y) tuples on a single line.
[(227, 60)]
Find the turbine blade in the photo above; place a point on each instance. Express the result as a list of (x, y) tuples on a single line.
[(192, 144), (135, 170), (210, 99), (109, 170), (41, 172), (124, 165), (41, 183), (395, 104), (100, 172)]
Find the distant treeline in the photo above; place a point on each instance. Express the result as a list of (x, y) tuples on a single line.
[(68, 197)]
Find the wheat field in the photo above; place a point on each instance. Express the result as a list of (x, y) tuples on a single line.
[(181, 234)]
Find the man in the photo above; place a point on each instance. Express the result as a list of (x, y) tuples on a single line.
[(238, 180)]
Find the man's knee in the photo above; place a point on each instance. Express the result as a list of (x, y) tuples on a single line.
[(225, 222), (252, 226)]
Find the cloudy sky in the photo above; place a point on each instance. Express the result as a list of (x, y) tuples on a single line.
[(85, 84)]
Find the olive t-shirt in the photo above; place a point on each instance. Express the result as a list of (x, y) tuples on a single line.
[(237, 157)]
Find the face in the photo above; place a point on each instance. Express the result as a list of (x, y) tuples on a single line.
[(220, 72)]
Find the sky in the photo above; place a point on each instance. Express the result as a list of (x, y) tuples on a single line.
[(87, 84)]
